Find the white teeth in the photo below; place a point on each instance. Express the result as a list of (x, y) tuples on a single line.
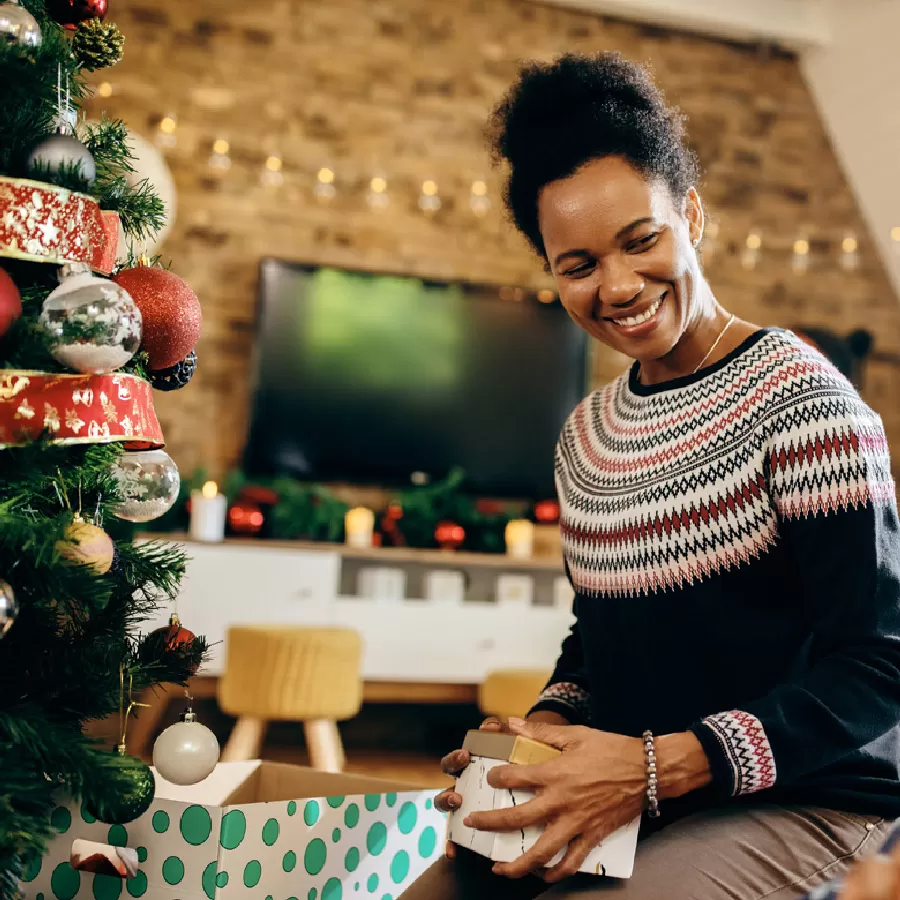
[(638, 320)]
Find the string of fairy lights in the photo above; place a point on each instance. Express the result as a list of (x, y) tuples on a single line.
[(805, 252)]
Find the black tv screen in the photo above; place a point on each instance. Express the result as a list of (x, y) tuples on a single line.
[(367, 378)]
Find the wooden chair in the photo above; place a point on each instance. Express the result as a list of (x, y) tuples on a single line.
[(511, 692), (285, 673)]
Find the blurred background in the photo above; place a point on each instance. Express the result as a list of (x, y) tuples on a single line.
[(368, 310)]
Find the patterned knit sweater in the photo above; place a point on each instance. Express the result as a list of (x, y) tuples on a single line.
[(732, 539)]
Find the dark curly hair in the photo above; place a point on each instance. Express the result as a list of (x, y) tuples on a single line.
[(560, 115)]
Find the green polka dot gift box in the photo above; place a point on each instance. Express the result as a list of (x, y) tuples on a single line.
[(258, 830)]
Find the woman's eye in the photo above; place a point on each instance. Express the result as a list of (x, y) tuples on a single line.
[(579, 271), (644, 243)]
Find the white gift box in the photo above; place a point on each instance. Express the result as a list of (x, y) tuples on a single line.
[(614, 857), (252, 830)]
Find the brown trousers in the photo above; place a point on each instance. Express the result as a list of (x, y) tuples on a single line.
[(740, 853)]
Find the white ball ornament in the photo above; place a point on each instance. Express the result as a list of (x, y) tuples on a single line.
[(186, 752)]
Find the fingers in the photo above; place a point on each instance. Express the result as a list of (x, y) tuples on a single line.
[(450, 850), (448, 801), (578, 851), (518, 777), (559, 736), (876, 878), (533, 812), (544, 849), (454, 763)]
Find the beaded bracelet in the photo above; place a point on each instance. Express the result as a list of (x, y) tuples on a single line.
[(652, 780)]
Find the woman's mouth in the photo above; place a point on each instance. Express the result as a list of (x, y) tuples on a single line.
[(643, 323)]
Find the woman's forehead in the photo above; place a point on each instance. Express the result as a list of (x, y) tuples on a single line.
[(606, 194)]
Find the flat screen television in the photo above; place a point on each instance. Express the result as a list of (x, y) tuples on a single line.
[(370, 378)]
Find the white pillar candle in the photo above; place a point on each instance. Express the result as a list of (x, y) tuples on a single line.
[(208, 509), (359, 526), (520, 539)]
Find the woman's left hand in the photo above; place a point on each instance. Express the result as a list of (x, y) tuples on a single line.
[(595, 787)]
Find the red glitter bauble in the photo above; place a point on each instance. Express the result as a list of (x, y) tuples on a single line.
[(546, 512), (170, 311), (71, 12), (449, 535), (245, 517), (10, 302)]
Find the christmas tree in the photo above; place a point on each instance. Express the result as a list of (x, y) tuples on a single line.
[(86, 334)]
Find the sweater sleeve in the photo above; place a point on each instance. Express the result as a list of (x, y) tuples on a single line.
[(567, 692), (829, 480)]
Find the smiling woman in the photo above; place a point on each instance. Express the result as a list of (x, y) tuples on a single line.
[(729, 527)]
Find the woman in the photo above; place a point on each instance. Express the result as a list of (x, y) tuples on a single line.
[(729, 527)]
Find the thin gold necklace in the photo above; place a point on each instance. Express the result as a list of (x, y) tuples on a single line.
[(709, 352)]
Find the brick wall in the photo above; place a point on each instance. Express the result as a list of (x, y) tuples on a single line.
[(403, 87)]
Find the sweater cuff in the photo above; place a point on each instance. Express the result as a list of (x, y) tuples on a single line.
[(739, 752), (567, 699)]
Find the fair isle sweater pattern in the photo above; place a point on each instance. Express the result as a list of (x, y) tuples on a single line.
[(736, 474)]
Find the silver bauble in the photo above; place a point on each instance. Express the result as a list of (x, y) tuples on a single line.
[(18, 26), (9, 608), (93, 324), (148, 484), (63, 151)]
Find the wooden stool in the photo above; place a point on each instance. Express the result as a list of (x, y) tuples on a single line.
[(295, 674), (511, 692)]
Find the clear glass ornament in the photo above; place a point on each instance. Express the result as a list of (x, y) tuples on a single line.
[(93, 324), (186, 752), (18, 26), (148, 483), (9, 607)]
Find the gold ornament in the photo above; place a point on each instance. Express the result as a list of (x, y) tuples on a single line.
[(87, 545)]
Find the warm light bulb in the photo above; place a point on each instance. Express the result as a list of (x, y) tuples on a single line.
[(801, 247), (479, 188), (325, 175), (546, 296), (429, 188), (168, 125), (754, 241), (221, 146), (895, 233), (849, 245), (274, 163), (378, 185), (104, 89), (209, 490)]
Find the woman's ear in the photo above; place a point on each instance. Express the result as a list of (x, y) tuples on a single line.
[(693, 212)]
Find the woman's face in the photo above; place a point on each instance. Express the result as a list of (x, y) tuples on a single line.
[(621, 250)]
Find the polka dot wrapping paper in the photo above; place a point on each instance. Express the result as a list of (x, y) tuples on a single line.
[(334, 847)]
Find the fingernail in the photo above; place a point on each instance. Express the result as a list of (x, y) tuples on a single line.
[(453, 804), (516, 723), (467, 821)]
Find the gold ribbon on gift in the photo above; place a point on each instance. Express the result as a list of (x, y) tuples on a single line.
[(40, 222), (76, 409)]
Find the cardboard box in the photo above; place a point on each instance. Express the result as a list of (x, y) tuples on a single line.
[(613, 857), (260, 830)]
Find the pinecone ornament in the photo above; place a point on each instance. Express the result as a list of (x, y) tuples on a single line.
[(97, 44)]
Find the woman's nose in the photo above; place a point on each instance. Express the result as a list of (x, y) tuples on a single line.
[(619, 283)]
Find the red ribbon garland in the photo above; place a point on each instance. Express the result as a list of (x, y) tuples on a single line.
[(76, 409), (43, 223)]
